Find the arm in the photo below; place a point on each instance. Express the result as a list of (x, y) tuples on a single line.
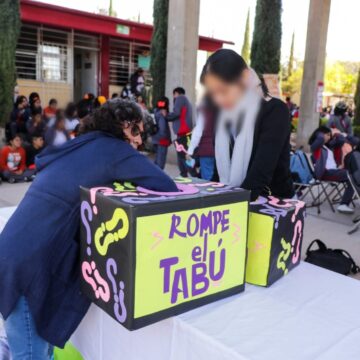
[(177, 110), (318, 143), (138, 169), (3, 158), (196, 134), (274, 133)]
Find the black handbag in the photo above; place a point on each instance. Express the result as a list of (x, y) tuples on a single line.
[(337, 260)]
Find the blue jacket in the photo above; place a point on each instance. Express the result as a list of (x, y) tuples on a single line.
[(39, 247), (163, 136)]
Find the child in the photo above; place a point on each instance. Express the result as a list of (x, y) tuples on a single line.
[(162, 139), (13, 162), (37, 144), (57, 134)]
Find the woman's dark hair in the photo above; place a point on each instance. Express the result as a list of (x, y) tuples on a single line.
[(52, 101), (321, 129), (70, 110), (111, 117), (180, 90), (33, 96), (227, 64), (19, 100)]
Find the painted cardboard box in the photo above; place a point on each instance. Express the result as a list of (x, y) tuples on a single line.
[(275, 236), (146, 256)]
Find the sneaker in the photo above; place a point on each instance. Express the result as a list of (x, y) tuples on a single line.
[(345, 209), (11, 180)]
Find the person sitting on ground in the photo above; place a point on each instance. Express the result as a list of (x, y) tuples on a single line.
[(13, 162), (41, 284), (340, 119), (72, 120), (100, 100), (35, 125), (37, 144), (57, 134), (162, 139), (34, 103), (126, 92), (18, 118), (114, 95), (322, 143), (50, 111)]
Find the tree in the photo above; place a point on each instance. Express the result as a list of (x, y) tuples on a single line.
[(266, 43), (112, 12), (245, 51), (292, 84), (357, 106), (158, 48), (9, 33), (291, 57)]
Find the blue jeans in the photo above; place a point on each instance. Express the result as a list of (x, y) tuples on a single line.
[(207, 166), (24, 341), (160, 158)]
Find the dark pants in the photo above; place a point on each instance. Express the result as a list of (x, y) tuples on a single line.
[(183, 168), (340, 175), (7, 175), (160, 158)]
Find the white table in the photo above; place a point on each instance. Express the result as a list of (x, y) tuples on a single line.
[(310, 314)]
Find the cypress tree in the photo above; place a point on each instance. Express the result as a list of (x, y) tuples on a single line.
[(357, 107), (266, 43), (291, 57), (245, 51), (9, 33), (158, 48)]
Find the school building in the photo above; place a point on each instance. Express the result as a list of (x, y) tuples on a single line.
[(64, 53)]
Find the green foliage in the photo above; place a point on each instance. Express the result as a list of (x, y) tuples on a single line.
[(292, 84), (340, 78), (245, 51), (158, 48), (357, 105), (266, 43), (9, 32), (291, 57)]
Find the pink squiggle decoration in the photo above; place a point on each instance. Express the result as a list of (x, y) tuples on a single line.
[(288, 203), (92, 276), (277, 202), (185, 189), (296, 241), (93, 192), (159, 238), (179, 147), (236, 233)]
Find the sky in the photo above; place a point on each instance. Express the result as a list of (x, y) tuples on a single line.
[(226, 19)]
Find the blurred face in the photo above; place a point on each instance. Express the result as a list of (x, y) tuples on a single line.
[(37, 103), (38, 142), (327, 137), (23, 104), (37, 118), (61, 124), (175, 95), (53, 106), (224, 94), (16, 142), (133, 133)]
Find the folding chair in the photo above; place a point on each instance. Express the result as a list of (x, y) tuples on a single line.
[(317, 189), (356, 220)]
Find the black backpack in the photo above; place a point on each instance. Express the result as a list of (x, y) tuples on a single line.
[(337, 260)]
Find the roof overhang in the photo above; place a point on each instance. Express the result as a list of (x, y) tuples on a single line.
[(66, 18)]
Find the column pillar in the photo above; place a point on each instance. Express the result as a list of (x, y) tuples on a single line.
[(104, 66), (314, 65), (182, 46)]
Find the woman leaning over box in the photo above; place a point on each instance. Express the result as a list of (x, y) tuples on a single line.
[(40, 296), (252, 131)]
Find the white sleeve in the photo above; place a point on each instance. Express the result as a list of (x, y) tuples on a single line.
[(196, 134)]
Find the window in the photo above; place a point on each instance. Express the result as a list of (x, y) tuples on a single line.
[(26, 53), (53, 62)]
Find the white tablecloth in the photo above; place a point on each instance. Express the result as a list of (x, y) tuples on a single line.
[(310, 314)]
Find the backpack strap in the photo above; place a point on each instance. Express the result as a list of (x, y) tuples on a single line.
[(319, 243), (354, 268)]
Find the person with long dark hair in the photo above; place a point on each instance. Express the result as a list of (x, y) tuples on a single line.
[(325, 145), (40, 298), (252, 148)]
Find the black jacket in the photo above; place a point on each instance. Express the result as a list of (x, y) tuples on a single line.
[(269, 167)]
